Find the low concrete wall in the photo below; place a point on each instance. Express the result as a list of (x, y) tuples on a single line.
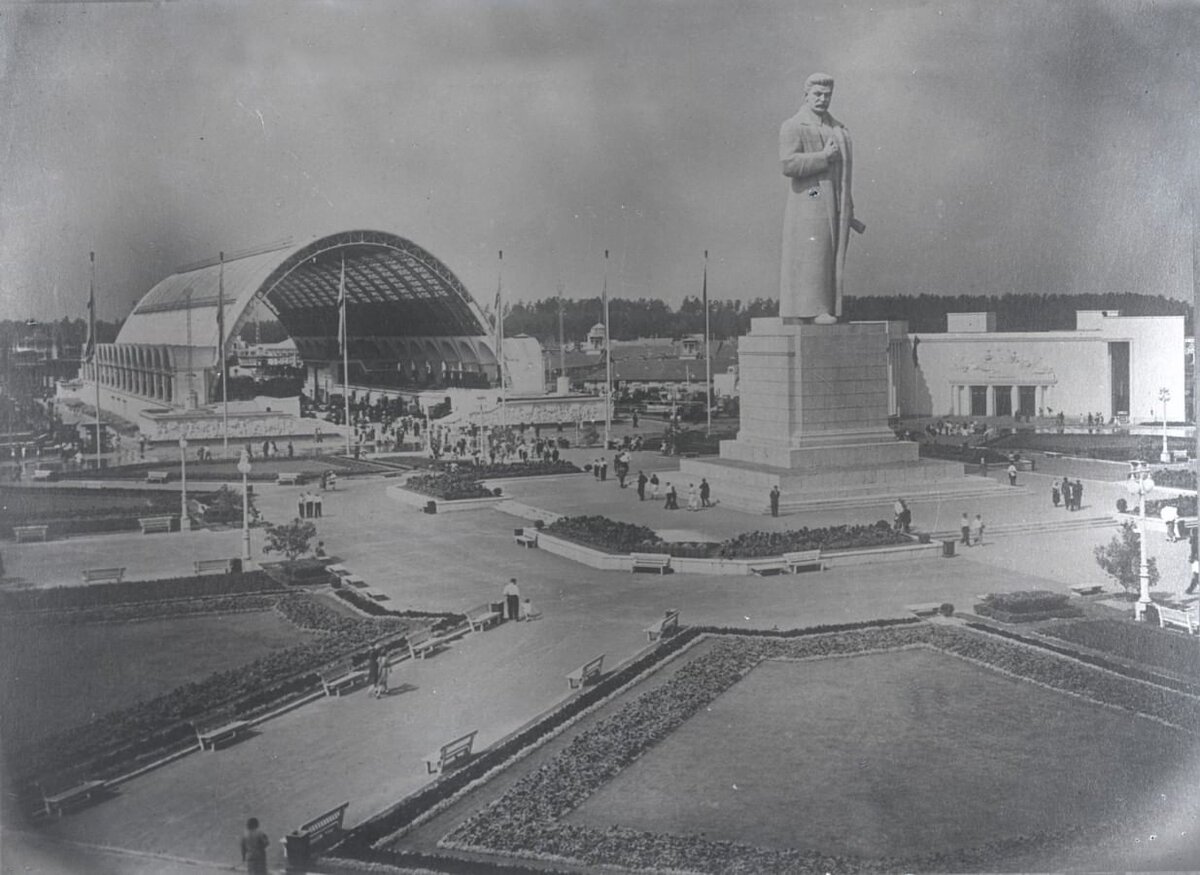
[(733, 567), (419, 500)]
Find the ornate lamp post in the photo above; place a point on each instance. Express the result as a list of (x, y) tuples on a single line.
[(1140, 485), (1164, 395), (185, 521), (244, 467)]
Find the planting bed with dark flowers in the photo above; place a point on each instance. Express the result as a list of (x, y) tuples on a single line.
[(1141, 642), (612, 536), (500, 470), (1027, 606), (528, 819), (448, 486)]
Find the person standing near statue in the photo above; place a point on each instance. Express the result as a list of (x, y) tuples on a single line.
[(814, 151)]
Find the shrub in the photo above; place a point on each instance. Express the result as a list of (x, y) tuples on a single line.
[(1185, 503), (1027, 606), (1175, 478), (947, 609), (292, 539), (1120, 558)]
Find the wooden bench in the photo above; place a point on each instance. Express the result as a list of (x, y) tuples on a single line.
[(667, 624), (1184, 618), (481, 616), (289, 478), (450, 753), (212, 733), (376, 594), (158, 476), (586, 673), (355, 581), (213, 566), (421, 643), (340, 677), (338, 569), (768, 566), (299, 844), (659, 562), (1087, 589), (807, 559), (526, 537), (30, 533), (103, 575), (925, 609), (151, 524), (61, 794), (44, 473)]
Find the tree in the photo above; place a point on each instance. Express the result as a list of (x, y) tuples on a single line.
[(1121, 557), (291, 539)]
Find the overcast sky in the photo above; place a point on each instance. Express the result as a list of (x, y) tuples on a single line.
[(1000, 146)]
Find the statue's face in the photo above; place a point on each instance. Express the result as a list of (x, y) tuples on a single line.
[(818, 97)]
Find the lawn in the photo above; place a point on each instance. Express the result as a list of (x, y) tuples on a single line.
[(888, 754), (53, 677)]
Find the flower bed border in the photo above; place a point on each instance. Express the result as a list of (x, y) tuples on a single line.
[(519, 824)]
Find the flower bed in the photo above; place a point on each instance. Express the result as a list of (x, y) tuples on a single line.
[(1185, 503), (124, 738), (157, 610), (612, 536), (1027, 606), (59, 598), (1140, 642), (76, 511), (527, 819), (1175, 478), (448, 486), (532, 468)]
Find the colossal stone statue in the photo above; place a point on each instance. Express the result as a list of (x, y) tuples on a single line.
[(814, 150)]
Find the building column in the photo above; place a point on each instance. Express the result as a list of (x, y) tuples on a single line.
[(1015, 399), (990, 402)]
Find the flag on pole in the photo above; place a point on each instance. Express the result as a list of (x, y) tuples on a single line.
[(498, 320), (89, 345), (341, 300)]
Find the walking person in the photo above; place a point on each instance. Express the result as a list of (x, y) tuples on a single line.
[(977, 530), (1077, 493), (654, 487), (381, 683), (254, 845), (1054, 493), (705, 492), (300, 506), (965, 528), (317, 503), (373, 668), (310, 504), (1195, 576), (693, 497), (1012, 474), (672, 498), (512, 600), (1066, 493), (641, 485), (773, 497)]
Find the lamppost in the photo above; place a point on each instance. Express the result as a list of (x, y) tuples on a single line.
[(1164, 395), (185, 521), (1141, 485), (244, 467)]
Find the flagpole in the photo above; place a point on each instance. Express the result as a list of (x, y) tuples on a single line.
[(607, 360), (707, 353), (95, 353), (500, 341), (221, 353), (345, 341)]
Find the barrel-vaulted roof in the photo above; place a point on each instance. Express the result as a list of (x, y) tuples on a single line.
[(394, 290)]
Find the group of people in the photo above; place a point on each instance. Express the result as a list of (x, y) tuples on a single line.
[(1068, 493), (270, 450), (514, 608), (309, 505), (972, 529), (378, 670)]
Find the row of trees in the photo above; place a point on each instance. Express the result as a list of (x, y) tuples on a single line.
[(648, 317)]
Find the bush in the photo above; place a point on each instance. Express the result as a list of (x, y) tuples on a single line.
[(1121, 557), (947, 609), (1028, 606), (1175, 478)]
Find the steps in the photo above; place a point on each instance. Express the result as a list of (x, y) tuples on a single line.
[(1073, 524)]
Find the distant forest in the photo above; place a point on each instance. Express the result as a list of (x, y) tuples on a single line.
[(925, 313), (646, 317)]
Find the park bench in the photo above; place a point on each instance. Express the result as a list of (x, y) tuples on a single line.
[(44, 473), (289, 478), (324, 829), (481, 616), (355, 581), (213, 566), (421, 643), (103, 575), (61, 793), (768, 566), (211, 733), (341, 676), (450, 753), (667, 624), (151, 524), (158, 476), (659, 562), (338, 569), (925, 609), (377, 595), (526, 537), (1087, 589), (807, 559), (1184, 618), (586, 673), (30, 533)]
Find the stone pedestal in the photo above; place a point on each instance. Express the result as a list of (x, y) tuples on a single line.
[(814, 422)]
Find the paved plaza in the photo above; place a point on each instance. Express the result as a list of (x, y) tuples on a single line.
[(186, 815)]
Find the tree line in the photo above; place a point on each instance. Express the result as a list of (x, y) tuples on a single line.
[(648, 317)]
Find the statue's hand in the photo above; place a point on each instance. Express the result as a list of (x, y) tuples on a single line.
[(831, 150)]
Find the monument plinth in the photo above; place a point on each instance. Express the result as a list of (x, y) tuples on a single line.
[(814, 422)]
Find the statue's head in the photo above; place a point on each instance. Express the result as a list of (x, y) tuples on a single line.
[(818, 91)]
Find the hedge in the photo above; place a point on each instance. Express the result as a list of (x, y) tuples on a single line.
[(1141, 642)]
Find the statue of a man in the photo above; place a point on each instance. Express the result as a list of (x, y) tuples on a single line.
[(814, 150)]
